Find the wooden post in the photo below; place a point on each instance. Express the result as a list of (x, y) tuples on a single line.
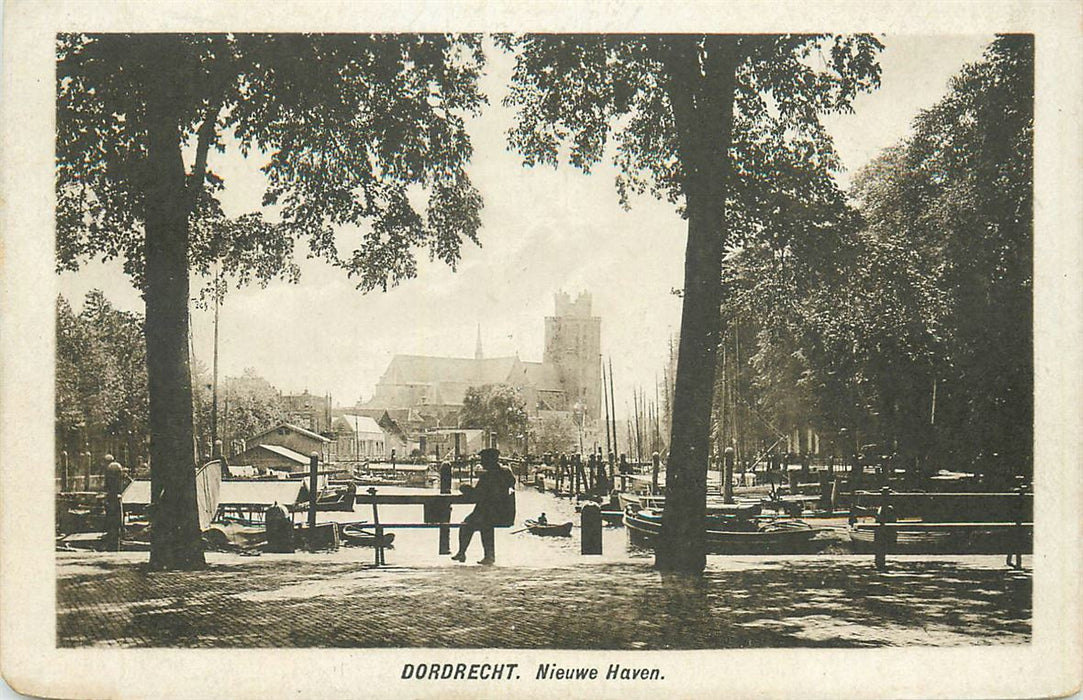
[(590, 521), (379, 529), (445, 487), (880, 538), (64, 472), (313, 469), (1017, 541)]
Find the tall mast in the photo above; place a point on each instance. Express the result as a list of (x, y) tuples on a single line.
[(214, 380), (613, 405), (605, 400)]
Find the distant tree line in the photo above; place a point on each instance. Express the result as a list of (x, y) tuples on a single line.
[(904, 318), (101, 389)]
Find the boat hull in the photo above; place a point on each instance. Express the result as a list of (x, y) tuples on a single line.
[(547, 530), (785, 537), (357, 537), (961, 541)]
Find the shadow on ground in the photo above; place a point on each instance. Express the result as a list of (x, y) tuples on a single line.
[(832, 601)]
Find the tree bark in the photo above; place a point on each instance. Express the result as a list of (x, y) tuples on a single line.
[(700, 86), (175, 535)]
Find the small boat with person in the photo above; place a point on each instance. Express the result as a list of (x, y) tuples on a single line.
[(544, 528)]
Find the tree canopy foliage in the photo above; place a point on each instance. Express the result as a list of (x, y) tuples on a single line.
[(929, 285), (728, 128), (495, 408), (355, 129), (101, 379)]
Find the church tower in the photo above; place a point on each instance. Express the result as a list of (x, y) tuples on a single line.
[(573, 344), (477, 348)]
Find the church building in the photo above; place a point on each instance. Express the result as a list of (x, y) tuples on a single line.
[(567, 379)]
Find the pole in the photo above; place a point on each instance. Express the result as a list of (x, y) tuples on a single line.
[(613, 405), (313, 473), (214, 380), (605, 399)]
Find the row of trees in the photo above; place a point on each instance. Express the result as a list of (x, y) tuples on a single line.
[(906, 320), (101, 381), (101, 388)]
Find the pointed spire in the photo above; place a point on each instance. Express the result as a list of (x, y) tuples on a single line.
[(477, 349)]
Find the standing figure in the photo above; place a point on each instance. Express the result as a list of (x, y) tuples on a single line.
[(656, 465), (116, 481), (495, 492)]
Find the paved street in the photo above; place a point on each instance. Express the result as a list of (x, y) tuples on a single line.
[(340, 600)]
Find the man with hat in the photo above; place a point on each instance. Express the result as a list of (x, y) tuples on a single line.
[(495, 492)]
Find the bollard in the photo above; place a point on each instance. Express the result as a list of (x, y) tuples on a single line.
[(313, 493), (445, 487), (591, 529), (1016, 549), (379, 549), (882, 538), (279, 530)]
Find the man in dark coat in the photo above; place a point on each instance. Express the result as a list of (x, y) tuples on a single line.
[(495, 493)]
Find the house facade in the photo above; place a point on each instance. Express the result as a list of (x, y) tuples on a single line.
[(295, 438)]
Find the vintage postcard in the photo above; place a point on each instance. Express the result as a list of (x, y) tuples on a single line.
[(553, 350)]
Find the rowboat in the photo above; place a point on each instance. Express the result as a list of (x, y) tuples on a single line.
[(636, 501), (549, 529), (356, 536), (973, 539), (736, 535), (612, 516)]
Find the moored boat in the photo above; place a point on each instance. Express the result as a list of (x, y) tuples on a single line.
[(726, 534), (357, 536)]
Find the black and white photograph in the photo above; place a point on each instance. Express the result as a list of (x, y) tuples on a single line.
[(520, 361)]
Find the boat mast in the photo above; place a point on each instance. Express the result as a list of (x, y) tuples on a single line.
[(214, 379), (613, 405), (605, 400)]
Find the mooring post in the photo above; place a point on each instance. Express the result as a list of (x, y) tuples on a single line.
[(379, 529), (445, 487), (880, 538), (590, 522), (313, 493), (1017, 541)]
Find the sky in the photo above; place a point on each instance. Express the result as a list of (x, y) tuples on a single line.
[(543, 230)]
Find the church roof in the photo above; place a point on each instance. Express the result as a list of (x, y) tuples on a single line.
[(422, 369)]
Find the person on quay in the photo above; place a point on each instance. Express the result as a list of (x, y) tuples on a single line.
[(116, 481), (495, 492)]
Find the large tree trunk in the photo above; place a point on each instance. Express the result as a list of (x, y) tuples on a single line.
[(175, 539), (700, 87)]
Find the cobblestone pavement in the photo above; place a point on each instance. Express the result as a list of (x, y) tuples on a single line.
[(340, 600)]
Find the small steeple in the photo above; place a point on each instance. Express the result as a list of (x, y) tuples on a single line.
[(477, 349)]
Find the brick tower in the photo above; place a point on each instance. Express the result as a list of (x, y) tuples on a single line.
[(573, 343)]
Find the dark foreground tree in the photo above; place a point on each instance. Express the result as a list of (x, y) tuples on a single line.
[(697, 119), (354, 129)]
